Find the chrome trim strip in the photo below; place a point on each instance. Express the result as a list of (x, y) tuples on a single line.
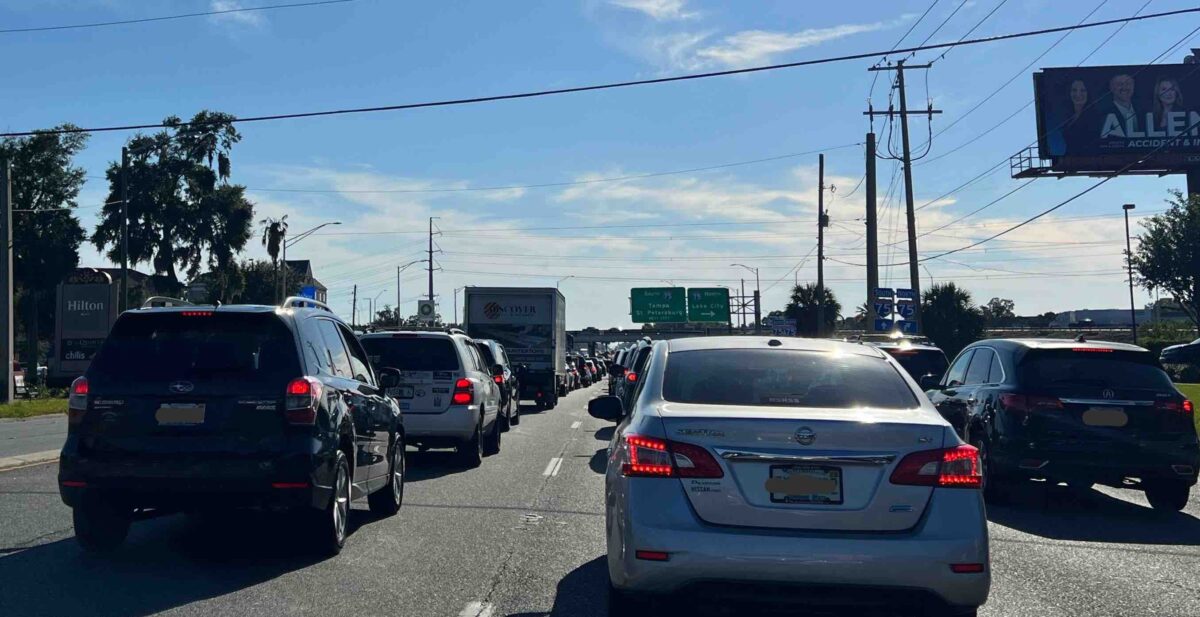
[(738, 456), (1104, 402)]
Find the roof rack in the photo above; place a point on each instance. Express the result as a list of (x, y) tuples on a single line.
[(302, 302), (161, 301)]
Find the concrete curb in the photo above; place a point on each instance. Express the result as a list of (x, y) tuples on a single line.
[(26, 460)]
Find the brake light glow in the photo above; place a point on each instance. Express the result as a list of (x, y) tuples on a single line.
[(1185, 406), (1188, 407), (631, 376), (77, 402), (196, 313), (498, 379), (653, 457), (464, 392), (1091, 350), (302, 401), (947, 468)]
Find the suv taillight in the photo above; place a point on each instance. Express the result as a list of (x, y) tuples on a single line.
[(1181, 406), (303, 400), (498, 379), (1029, 403), (631, 376), (947, 468), (660, 458), (77, 401), (464, 392)]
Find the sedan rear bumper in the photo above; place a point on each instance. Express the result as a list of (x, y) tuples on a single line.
[(914, 563)]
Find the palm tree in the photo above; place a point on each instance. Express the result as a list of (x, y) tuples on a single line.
[(949, 317), (803, 308), (273, 233)]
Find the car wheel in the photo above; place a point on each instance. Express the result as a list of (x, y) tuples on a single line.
[(100, 527), (1167, 495), (471, 452), (515, 411), (503, 419), (491, 445), (331, 523), (997, 488), (387, 500)]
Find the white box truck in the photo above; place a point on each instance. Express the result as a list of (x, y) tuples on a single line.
[(531, 323)]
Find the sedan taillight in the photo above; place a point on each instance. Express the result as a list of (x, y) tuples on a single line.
[(947, 468), (661, 458)]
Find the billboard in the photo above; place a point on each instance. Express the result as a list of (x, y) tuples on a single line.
[(86, 308), (1102, 118)]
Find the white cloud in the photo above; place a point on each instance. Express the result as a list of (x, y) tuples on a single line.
[(245, 18), (660, 10)]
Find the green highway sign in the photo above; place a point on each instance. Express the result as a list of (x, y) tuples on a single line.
[(658, 304), (708, 304)]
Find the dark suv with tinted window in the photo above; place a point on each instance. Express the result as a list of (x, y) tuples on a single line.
[(1072, 411), (213, 407)]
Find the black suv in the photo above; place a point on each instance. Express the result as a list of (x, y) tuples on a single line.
[(920, 360), (510, 390), (1072, 411), (211, 407)]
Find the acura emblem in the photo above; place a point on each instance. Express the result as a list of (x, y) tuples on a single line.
[(805, 436), (181, 387), (1108, 393)]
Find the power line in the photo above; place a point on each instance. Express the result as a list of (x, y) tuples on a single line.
[(943, 24), (611, 85), (510, 187), (973, 28), (1114, 33), (900, 40), (143, 20)]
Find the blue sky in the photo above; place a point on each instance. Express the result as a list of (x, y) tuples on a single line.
[(376, 52)]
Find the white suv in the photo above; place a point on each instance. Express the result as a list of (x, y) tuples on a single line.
[(446, 392)]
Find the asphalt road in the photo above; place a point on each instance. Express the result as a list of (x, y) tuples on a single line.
[(523, 536), (29, 435)]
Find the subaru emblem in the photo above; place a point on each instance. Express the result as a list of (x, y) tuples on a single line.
[(181, 387), (805, 436), (1108, 394)]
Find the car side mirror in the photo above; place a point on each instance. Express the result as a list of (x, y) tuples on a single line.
[(931, 382), (389, 378), (608, 408), (497, 370)]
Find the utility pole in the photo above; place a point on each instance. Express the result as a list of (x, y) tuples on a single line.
[(872, 233), (398, 324), (914, 271), (6, 284), (430, 259), (822, 221), (123, 304), (1129, 263), (354, 307)]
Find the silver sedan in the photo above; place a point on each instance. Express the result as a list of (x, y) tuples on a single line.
[(790, 470)]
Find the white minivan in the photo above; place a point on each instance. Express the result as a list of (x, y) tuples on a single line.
[(446, 392)]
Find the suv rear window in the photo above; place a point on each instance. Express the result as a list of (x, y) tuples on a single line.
[(412, 353), (1055, 368), (920, 362), (246, 347), (784, 378)]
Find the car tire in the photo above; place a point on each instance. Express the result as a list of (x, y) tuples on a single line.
[(1167, 495), (491, 445), (504, 419), (387, 500), (330, 525), (997, 487), (470, 453), (515, 411), (100, 527)]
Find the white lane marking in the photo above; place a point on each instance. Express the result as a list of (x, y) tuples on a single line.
[(550, 467), (557, 467), (478, 609), (575, 425)]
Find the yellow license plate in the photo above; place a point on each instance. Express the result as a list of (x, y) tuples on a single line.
[(179, 414)]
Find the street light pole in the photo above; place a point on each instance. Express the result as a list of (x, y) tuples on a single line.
[(287, 243), (757, 296), (1129, 264), (570, 276), (456, 304)]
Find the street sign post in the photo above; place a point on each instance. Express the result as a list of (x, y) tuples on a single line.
[(708, 304), (895, 309), (658, 304)]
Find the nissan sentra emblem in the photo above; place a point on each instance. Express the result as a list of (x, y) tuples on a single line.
[(805, 436), (181, 387), (1108, 394)]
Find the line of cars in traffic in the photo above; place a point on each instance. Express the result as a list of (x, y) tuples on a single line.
[(583, 371), (856, 472), (199, 408)]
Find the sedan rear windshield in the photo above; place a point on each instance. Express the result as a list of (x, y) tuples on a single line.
[(412, 353), (1060, 368), (784, 378), (920, 362), (246, 347)]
